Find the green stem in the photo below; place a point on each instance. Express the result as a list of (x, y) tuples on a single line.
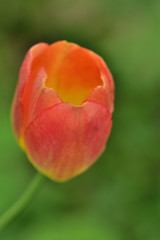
[(21, 203)]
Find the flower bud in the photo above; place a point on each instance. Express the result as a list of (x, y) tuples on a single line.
[(62, 108)]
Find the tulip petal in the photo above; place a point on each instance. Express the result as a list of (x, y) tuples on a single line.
[(106, 76), (99, 95), (46, 98), (17, 107), (30, 95), (76, 75), (64, 140), (38, 98)]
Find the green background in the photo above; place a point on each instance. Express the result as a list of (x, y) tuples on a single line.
[(119, 196)]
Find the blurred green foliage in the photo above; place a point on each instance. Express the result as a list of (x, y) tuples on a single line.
[(119, 197)]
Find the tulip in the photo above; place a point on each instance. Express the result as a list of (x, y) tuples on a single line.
[(62, 108)]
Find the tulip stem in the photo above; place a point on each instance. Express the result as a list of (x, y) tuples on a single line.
[(21, 203)]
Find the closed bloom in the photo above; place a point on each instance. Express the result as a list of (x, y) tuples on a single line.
[(62, 108)]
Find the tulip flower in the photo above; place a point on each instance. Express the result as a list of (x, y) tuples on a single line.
[(62, 108)]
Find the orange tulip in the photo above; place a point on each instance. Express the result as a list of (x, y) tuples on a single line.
[(62, 108)]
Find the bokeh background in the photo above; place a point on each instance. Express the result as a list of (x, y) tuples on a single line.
[(119, 197)]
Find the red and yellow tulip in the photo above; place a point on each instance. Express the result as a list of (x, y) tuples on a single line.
[(62, 108)]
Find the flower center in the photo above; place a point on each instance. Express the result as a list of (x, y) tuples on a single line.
[(71, 71)]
